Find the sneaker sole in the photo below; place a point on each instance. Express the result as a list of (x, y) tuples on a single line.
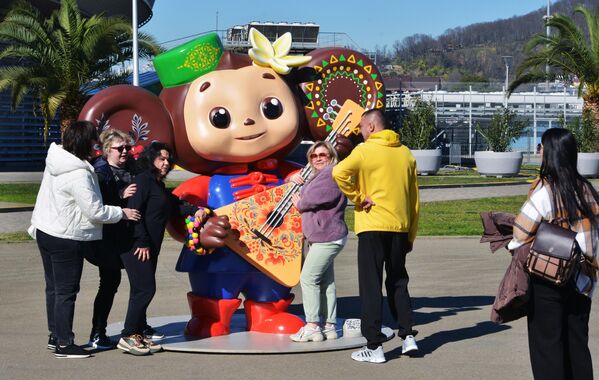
[(408, 350), (375, 361), (63, 356), (132, 352), (308, 339)]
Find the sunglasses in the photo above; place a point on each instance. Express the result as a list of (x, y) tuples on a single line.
[(121, 148), (314, 156)]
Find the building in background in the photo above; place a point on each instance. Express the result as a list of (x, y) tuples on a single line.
[(21, 130)]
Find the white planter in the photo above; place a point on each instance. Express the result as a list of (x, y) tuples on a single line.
[(588, 164), (500, 164), (428, 161)]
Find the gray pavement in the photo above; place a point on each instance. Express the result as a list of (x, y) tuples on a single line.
[(453, 282)]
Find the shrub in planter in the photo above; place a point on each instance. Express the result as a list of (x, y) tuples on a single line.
[(419, 126), (504, 129), (417, 134), (587, 142), (587, 138)]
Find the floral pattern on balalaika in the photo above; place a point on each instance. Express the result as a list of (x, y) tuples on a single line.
[(286, 238)]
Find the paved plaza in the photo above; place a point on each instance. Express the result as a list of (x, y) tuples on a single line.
[(453, 283)]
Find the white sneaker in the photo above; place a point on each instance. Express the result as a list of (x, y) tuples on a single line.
[(370, 356), (308, 334), (409, 345), (330, 331)]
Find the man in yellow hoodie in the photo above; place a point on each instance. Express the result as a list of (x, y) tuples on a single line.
[(379, 177)]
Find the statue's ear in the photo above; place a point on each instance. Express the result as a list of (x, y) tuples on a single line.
[(341, 74), (133, 110)]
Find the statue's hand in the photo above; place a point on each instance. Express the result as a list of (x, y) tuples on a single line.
[(214, 231)]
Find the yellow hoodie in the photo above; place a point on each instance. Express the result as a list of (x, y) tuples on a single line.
[(384, 170)]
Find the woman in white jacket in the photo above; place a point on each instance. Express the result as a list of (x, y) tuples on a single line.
[(67, 217)]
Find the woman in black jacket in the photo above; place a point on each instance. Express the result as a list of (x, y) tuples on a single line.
[(156, 205), (113, 169)]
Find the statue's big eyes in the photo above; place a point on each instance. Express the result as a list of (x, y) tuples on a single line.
[(220, 118), (272, 108)]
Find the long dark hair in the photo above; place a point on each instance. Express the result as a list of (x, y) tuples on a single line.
[(149, 154), (77, 138), (558, 169)]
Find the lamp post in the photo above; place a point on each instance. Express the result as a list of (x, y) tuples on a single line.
[(547, 31), (400, 115), (135, 47)]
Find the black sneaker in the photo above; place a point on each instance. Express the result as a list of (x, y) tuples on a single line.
[(152, 334), (101, 342), (71, 352), (51, 342)]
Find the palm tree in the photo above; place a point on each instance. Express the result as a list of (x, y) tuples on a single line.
[(61, 58), (569, 53)]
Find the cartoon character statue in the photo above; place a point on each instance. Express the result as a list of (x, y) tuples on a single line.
[(233, 118)]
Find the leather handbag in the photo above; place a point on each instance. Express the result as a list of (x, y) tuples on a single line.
[(554, 254)]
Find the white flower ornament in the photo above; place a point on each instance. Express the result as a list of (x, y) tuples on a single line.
[(275, 55)]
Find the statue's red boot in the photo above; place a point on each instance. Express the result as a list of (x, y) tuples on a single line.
[(210, 317), (271, 317)]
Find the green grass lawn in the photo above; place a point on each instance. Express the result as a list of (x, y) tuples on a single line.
[(466, 180), (26, 192), (19, 192), (456, 218)]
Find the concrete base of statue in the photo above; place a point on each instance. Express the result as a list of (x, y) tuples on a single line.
[(241, 341)]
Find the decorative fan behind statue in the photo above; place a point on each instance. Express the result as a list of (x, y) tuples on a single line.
[(343, 74)]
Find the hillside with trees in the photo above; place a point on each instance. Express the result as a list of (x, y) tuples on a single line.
[(472, 53)]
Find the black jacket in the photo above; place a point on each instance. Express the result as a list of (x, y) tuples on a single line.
[(156, 205), (116, 238)]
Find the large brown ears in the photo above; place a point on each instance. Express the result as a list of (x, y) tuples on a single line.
[(341, 74), (133, 110)]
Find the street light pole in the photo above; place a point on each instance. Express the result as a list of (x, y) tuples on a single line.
[(135, 53), (547, 31)]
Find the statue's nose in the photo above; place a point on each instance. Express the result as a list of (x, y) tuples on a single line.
[(249, 121)]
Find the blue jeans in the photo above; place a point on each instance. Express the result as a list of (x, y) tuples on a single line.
[(63, 264)]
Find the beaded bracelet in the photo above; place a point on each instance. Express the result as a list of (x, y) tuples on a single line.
[(193, 234)]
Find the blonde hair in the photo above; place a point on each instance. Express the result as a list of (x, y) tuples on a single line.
[(330, 149), (109, 135)]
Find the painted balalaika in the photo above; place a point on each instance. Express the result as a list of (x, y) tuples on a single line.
[(267, 228)]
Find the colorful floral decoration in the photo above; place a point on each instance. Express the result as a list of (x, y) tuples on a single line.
[(286, 238)]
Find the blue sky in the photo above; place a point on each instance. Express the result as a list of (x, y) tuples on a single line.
[(369, 23)]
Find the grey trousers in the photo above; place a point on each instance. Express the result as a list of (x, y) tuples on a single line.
[(318, 282)]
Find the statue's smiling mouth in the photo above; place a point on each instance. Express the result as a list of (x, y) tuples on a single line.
[(250, 137)]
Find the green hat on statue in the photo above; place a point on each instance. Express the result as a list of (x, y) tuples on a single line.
[(189, 61)]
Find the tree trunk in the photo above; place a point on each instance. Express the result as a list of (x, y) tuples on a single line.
[(591, 105), (69, 111)]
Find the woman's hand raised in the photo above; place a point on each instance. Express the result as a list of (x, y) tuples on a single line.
[(129, 191)]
